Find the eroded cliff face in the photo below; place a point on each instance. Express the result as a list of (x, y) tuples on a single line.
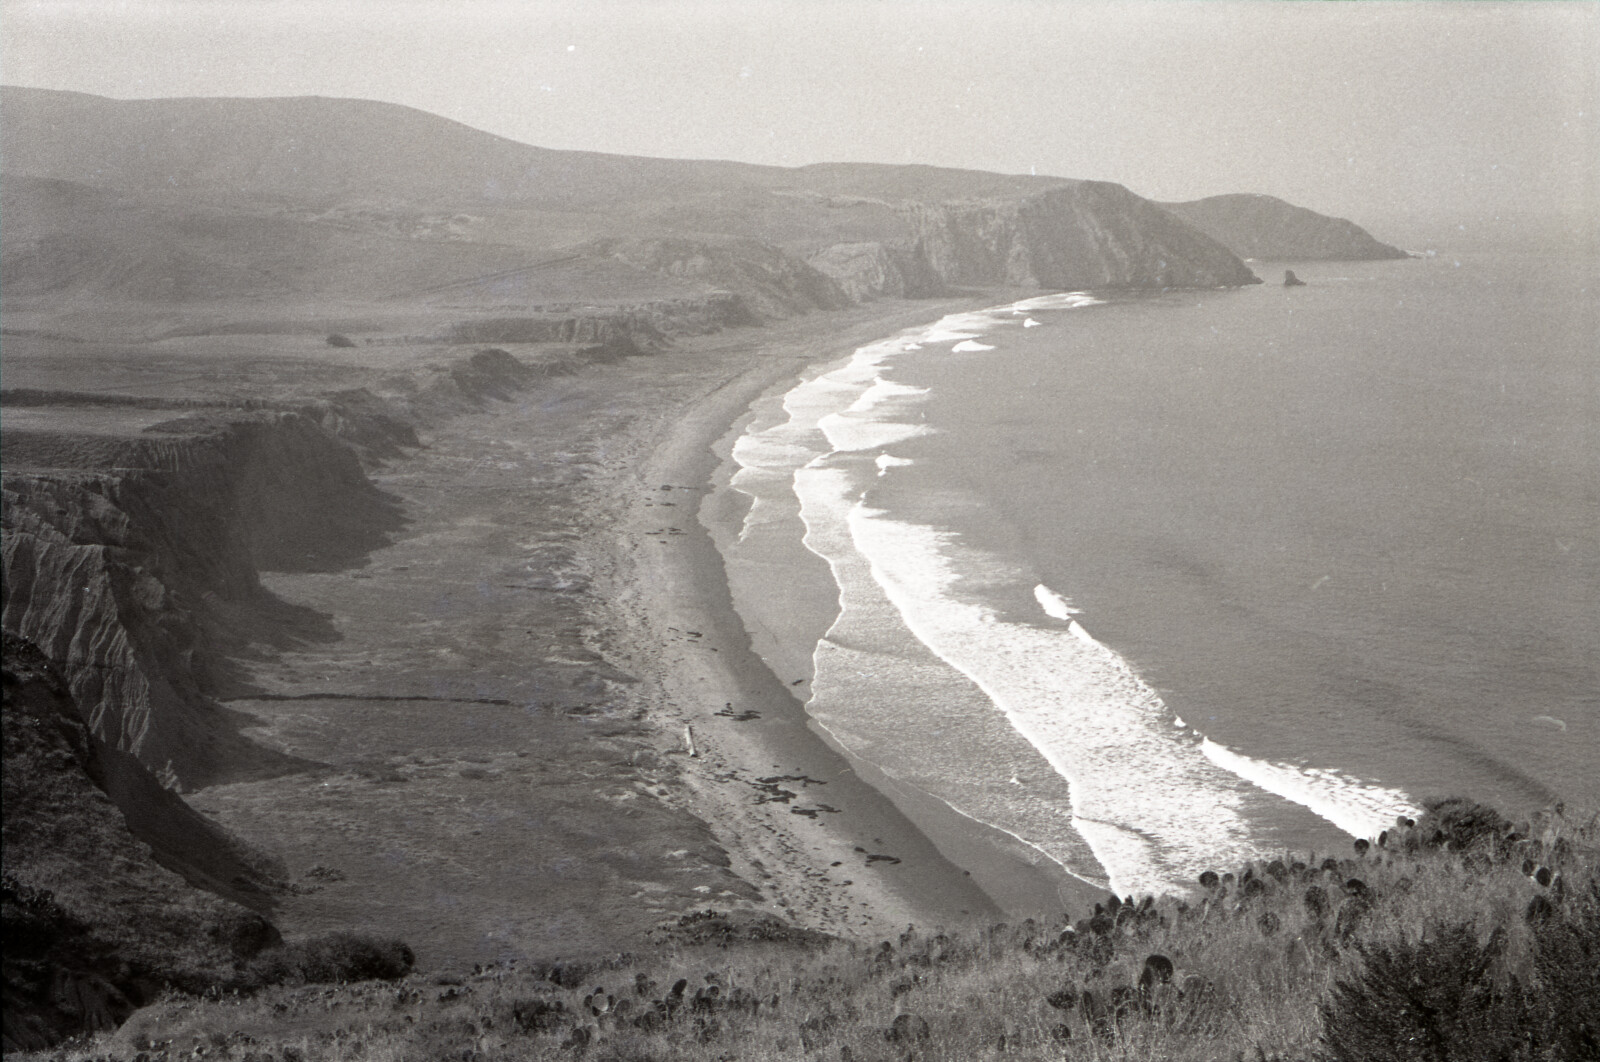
[(132, 563), (866, 271), (135, 530), (1081, 234), (1084, 235), (635, 328)]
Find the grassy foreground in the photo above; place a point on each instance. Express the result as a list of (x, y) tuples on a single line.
[(1462, 936)]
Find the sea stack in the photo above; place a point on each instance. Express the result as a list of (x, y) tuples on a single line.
[(1292, 281)]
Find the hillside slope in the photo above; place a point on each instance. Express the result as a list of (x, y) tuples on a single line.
[(315, 148), (1260, 226), (194, 199), (97, 921)]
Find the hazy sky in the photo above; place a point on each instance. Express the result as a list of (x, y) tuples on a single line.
[(1368, 110)]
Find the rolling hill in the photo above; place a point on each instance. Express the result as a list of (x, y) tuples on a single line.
[(197, 199)]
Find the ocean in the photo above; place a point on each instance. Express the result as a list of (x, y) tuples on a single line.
[(1158, 583)]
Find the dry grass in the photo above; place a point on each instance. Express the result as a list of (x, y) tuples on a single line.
[(1261, 965)]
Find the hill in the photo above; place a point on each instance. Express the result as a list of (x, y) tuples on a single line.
[(1262, 227), (204, 199)]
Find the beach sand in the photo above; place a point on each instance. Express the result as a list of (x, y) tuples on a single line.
[(504, 714), (820, 852)]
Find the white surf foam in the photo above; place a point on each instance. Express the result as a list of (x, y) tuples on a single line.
[(854, 432), (1154, 810), (884, 696), (1054, 605), (886, 462), (1359, 808), (883, 393), (1067, 300)]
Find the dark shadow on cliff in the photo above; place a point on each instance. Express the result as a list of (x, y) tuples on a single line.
[(133, 560)]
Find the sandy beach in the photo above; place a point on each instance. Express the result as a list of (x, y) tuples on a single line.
[(502, 710), (842, 846)]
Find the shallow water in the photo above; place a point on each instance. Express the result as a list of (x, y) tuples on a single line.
[(1159, 583)]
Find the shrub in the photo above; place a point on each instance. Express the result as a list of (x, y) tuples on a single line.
[(1567, 958), (1428, 1000), (334, 958), (1461, 824), (1430, 953)]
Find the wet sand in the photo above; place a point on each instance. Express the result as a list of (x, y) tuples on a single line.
[(823, 841)]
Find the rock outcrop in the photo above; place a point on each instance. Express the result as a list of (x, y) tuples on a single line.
[(872, 270), (1072, 234), (1260, 226), (636, 328)]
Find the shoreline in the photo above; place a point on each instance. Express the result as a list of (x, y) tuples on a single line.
[(497, 697), (849, 850)]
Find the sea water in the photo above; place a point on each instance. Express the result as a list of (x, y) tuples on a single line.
[(1158, 583)]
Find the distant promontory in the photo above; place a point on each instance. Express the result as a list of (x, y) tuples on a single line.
[(1261, 226)]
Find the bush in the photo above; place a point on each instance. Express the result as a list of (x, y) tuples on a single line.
[(1567, 958), (1461, 824), (334, 958), (1428, 1000), (338, 339), (1449, 997), (1431, 953)]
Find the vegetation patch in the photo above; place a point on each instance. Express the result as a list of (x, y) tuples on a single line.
[(1461, 936)]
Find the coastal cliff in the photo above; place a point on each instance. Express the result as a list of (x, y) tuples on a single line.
[(132, 561), (1082, 234), (769, 282), (1086, 234), (100, 862), (1260, 226), (137, 529)]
